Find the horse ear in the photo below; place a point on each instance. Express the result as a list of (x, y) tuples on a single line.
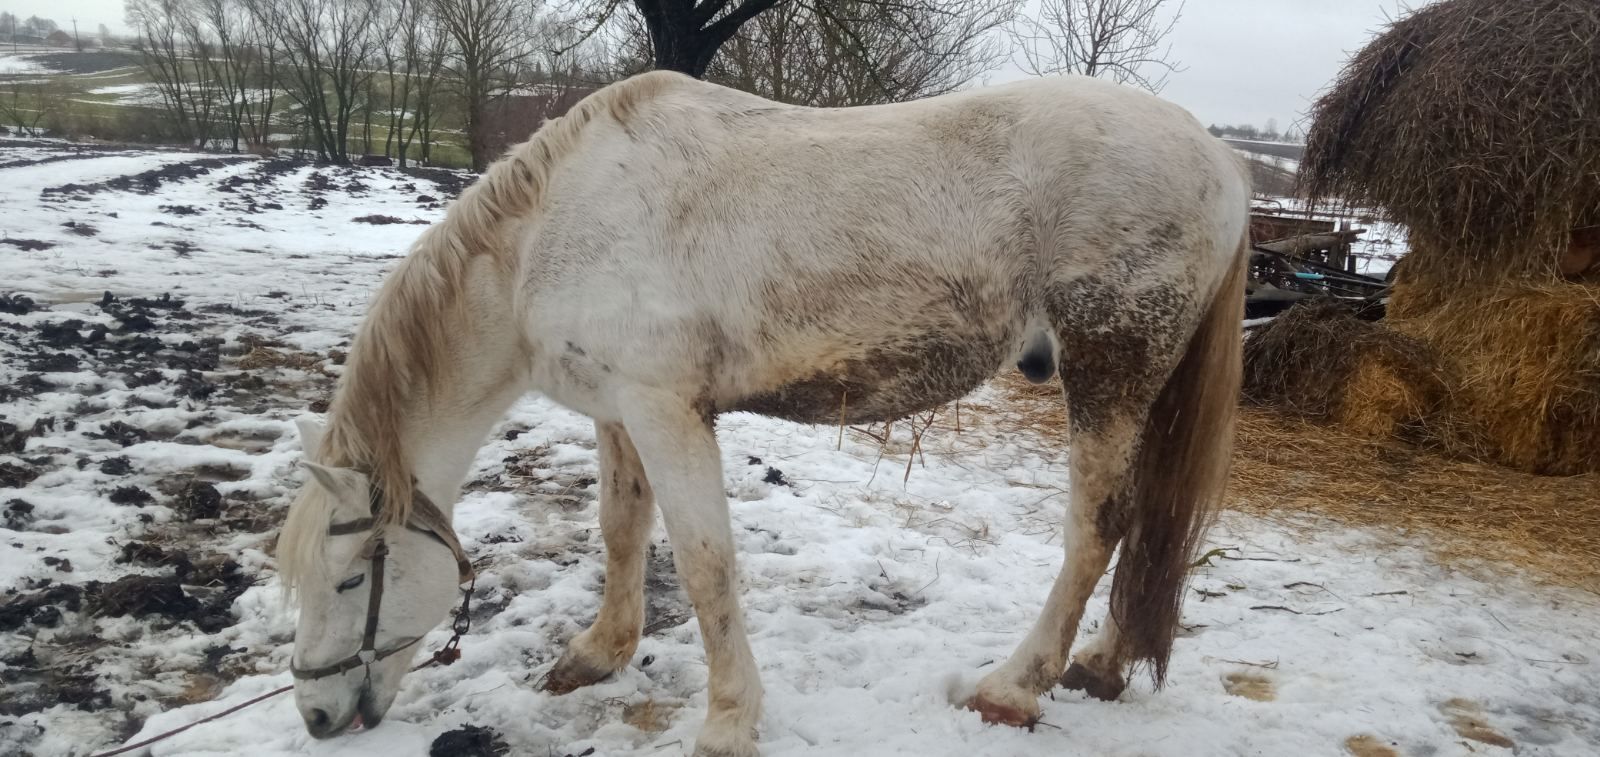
[(335, 480), (310, 433)]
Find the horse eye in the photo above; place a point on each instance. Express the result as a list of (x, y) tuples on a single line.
[(351, 583)]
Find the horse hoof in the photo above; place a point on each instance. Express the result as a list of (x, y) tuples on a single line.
[(571, 674), (1080, 678), (995, 713)]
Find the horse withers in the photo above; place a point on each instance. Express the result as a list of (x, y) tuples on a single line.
[(670, 250)]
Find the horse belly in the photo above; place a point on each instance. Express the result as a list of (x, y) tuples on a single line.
[(884, 383)]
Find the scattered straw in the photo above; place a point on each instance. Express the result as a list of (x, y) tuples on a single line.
[(1470, 512), (268, 357)]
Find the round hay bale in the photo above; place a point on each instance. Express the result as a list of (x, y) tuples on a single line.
[(1319, 360), (1526, 363), (1385, 398), (1476, 123)]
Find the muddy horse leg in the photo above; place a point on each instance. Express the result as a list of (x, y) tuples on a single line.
[(1010, 694), (625, 521), (680, 455), (1098, 669)]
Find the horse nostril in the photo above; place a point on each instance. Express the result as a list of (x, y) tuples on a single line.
[(318, 719)]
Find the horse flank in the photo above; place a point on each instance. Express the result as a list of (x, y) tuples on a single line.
[(399, 353)]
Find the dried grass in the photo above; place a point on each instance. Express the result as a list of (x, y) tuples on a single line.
[(1471, 512), (1476, 123), (1318, 360), (270, 357), (1526, 362)]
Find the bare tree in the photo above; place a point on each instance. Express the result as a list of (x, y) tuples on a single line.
[(1122, 40), (24, 107), (327, 56), (881, 49), (174, 54), (492, 40), (857, 52), (235, 56), (415, 87)]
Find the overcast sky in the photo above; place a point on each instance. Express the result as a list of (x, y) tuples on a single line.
[(1245, 61)]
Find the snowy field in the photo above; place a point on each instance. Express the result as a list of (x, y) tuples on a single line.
[(185, 308)]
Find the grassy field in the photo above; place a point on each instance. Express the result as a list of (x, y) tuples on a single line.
[(106, 95)]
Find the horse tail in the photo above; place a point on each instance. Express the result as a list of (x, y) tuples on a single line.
[(1179, 475)]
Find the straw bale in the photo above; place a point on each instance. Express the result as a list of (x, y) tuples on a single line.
[(1525, 363), (1476, 123), (1319, 360)]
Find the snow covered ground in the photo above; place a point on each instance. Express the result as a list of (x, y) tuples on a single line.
[(875, 600), (18, 63)]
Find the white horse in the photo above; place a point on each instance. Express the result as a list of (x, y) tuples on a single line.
[(671, 250)]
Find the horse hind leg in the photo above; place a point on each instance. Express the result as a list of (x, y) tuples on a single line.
[(1099, 668), (625, 520), (1151, 427), (1009, 695)]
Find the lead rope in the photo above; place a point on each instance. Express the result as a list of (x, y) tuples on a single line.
[(449, 653)]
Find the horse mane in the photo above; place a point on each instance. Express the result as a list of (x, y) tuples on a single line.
[(401, 349)]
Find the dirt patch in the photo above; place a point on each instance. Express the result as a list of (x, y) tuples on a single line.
[(12, 439), (197, 500), (80, 229), (125, 435), (1369, 746), (18, 515), (383, 220), (146, 182), (1250, 686), (469, 741), (16, 304), (86, 62), (17, 475), (131, 496), (40, 608), (27, 245), (180, 210), (450, 183), (649, 716), (1467, 718)]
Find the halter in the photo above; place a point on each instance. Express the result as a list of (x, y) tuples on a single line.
[(426, 518)]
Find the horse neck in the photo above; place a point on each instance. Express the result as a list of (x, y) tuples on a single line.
[(481, 372)]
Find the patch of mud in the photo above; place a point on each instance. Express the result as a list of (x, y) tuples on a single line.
[(383, 220), (27, 245), (197, 500), (17, 515), (146, 182), (1468, 719), (16, 304), (450, 183), (46, 160), (40, 608), (1369, 746), (650, 716), (1250, 686), (469, 741)]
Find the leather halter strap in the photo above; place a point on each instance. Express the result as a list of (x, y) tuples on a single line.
[(426, 518)]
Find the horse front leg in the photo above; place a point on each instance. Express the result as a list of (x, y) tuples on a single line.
[(679, 450), (625, 520), (1099, 463)]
